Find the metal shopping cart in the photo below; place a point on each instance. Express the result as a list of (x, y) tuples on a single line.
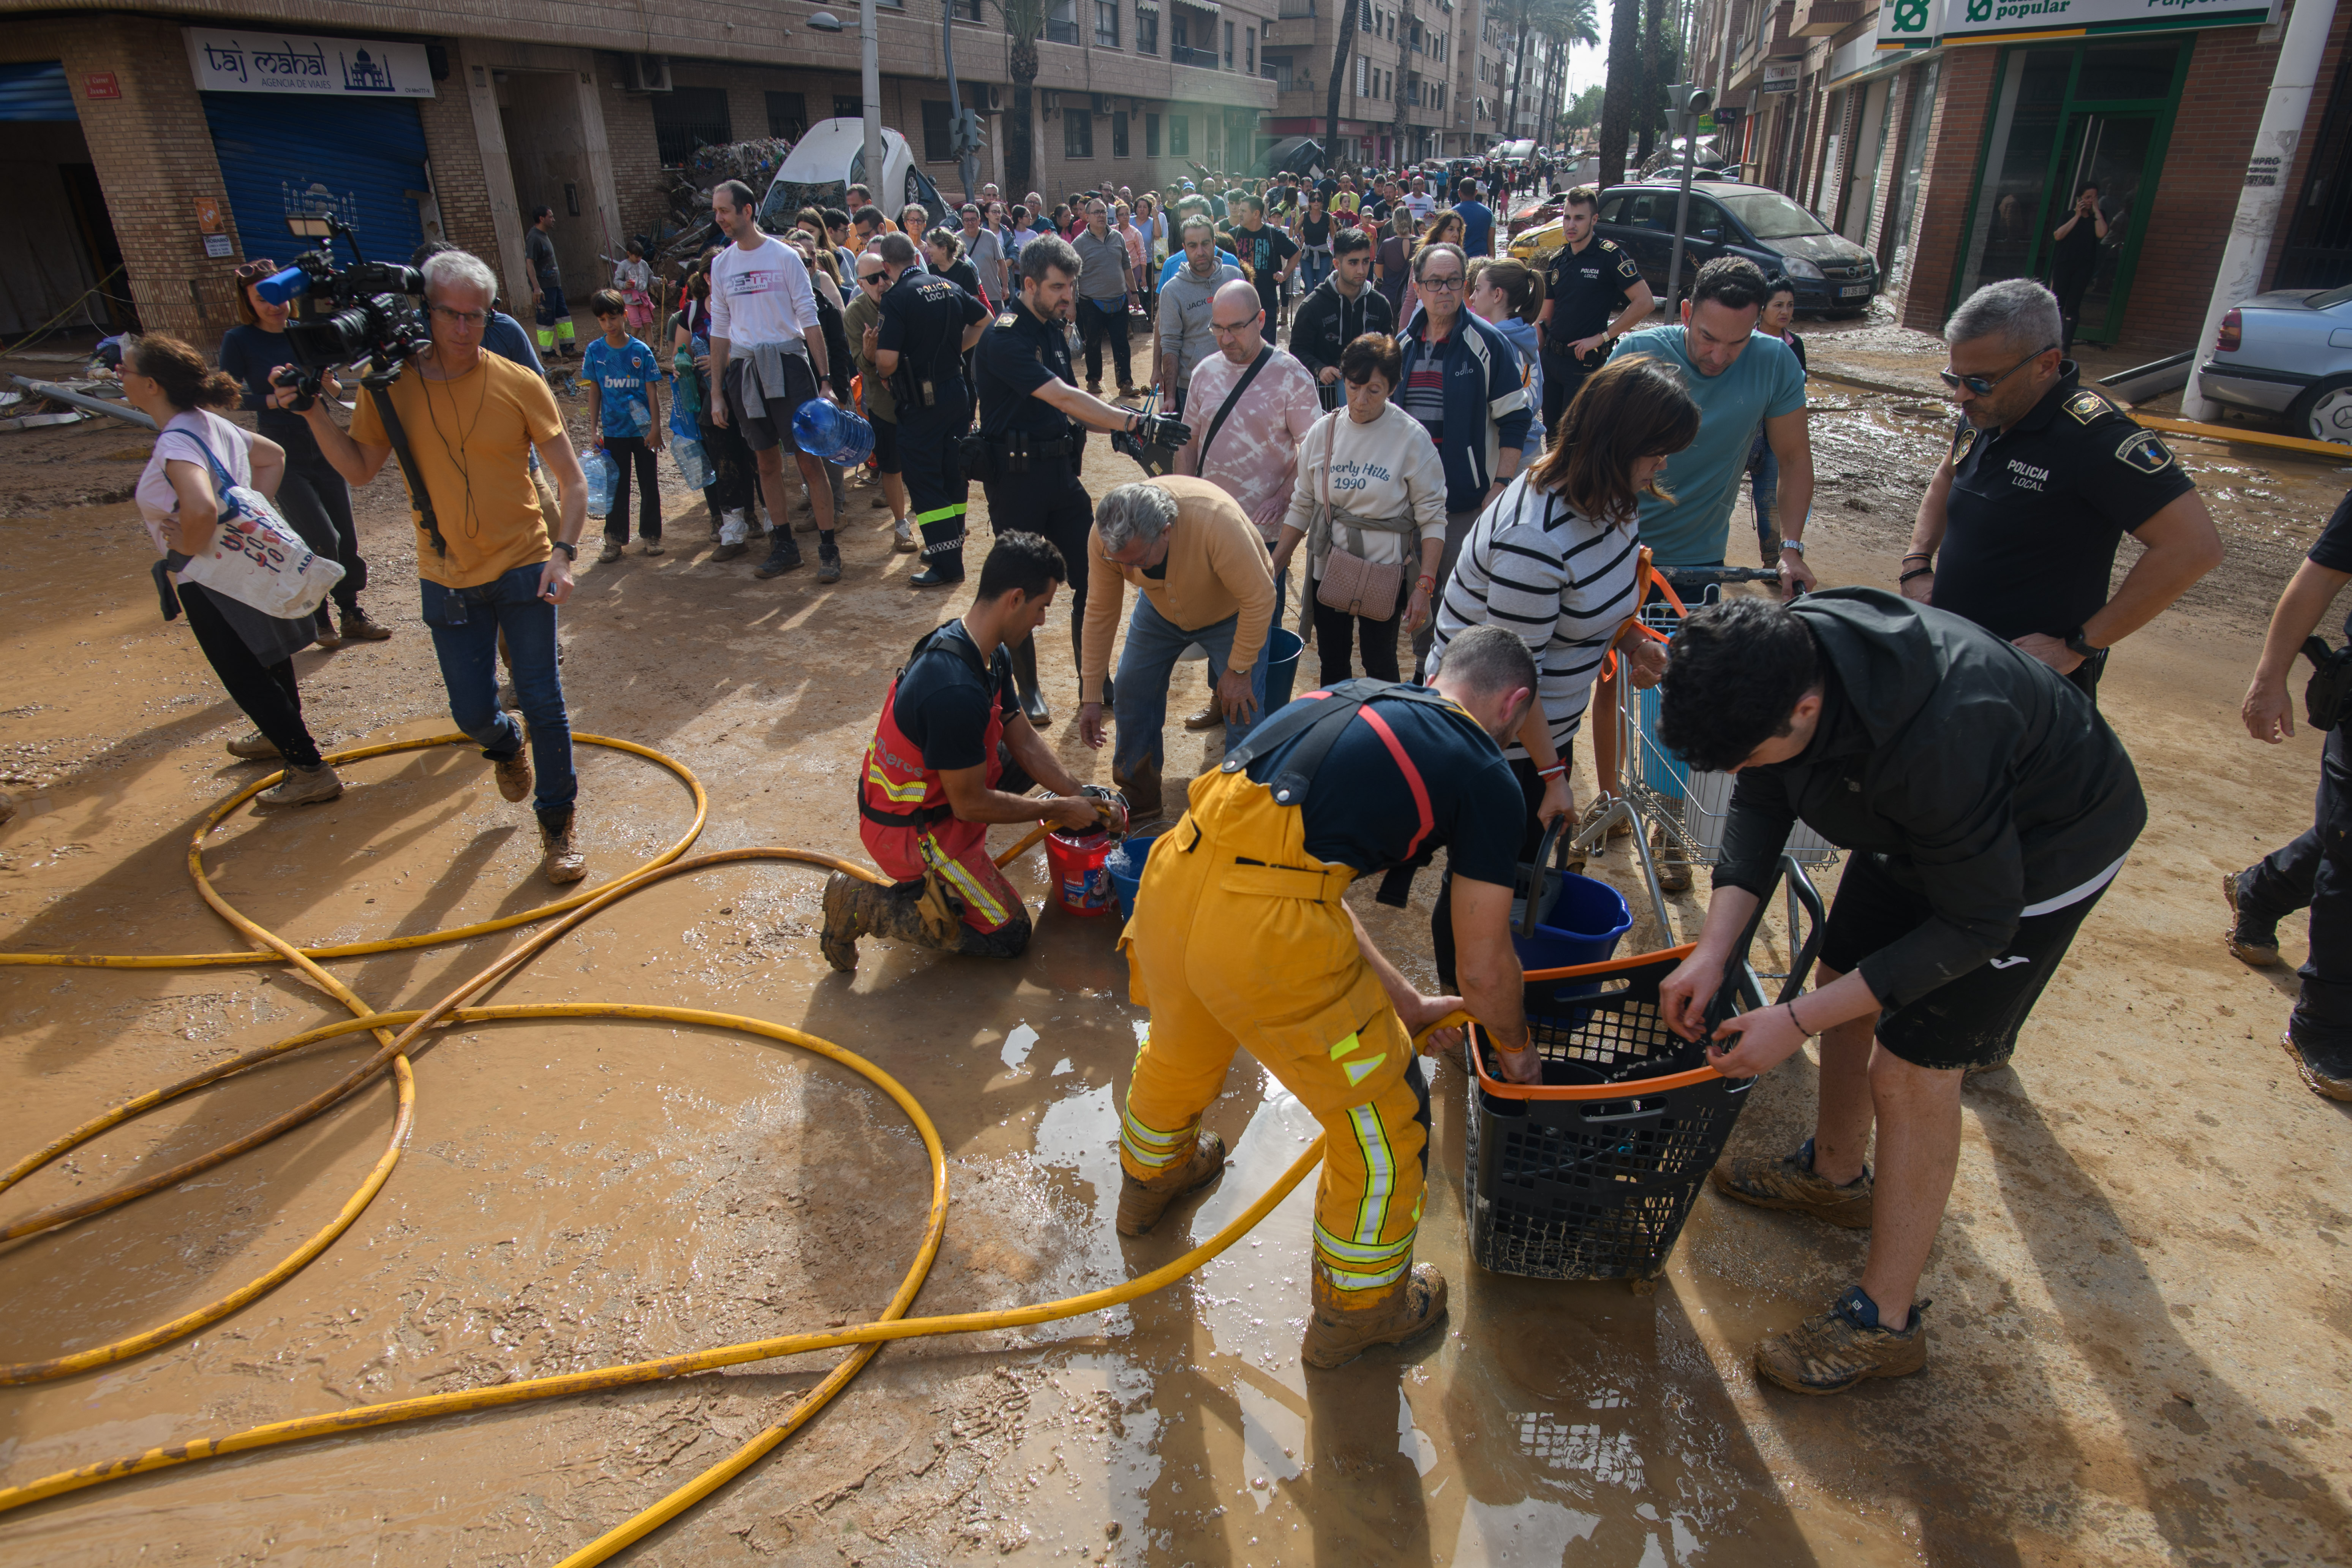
[(1687, 806)]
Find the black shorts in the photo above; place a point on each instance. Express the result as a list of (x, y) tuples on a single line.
[(886, 445), (773, 427), (1972, 1020)]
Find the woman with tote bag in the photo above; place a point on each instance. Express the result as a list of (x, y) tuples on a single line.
[(1369, 485), (182, 497)]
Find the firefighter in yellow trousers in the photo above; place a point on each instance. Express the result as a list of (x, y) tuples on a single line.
[(1240, 939)]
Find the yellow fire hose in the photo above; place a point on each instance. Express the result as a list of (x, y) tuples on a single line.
[(863, 1342)]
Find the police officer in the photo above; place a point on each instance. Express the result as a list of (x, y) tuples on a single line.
[(1032, 422), (928, 324), (1590, 281), (2043, 480)]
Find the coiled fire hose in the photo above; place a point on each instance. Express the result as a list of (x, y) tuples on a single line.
[(862, 1341)]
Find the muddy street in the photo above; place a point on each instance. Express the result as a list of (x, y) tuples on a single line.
[(2142, 1321)]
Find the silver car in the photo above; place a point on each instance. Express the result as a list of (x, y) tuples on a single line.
[(2289, 352)]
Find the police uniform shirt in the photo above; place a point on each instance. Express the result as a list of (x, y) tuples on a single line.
[(1017, 354), (1363, 812), (1587, 287), (925, 314), (2333, 549), (2037, 511)]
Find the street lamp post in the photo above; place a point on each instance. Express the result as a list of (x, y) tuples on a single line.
[(869, 63)]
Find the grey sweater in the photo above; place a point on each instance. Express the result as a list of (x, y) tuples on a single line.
[(1184, 317)]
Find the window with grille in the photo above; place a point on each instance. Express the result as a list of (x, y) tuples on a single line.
[(1147, 31), (1106, 24), (1119, 134), (685, 120), (1062, 22), (1077, 133), (788, 115)]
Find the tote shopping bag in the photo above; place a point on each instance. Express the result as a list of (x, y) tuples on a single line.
[(256, 557)]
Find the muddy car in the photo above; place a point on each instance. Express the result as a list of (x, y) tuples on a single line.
[(1833, 275), (2287, 352)]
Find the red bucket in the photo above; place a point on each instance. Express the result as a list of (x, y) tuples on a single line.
[(1081, 875)]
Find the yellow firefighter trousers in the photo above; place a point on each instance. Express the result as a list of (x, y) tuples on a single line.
[(1239, 938)]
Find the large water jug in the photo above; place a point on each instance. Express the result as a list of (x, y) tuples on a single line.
[(827, 430), (603, 477)]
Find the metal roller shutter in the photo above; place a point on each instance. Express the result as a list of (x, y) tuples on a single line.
[(367, 156)]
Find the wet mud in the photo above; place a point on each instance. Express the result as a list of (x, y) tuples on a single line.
[(2142, 1327)]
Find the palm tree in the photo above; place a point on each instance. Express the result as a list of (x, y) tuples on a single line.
[(1024, 24), (1346, 41), (1624, 87)]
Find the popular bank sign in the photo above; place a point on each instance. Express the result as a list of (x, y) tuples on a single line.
[(1921, 23)]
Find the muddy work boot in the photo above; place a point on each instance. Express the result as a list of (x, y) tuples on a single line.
[(255, 747), (302, 786), (2325, 1070), (1141, 787), (357, 627), (563, 861), (1140, 1204), (1789, 1182), (853, 907), (1831, 1351), (1336, 1335), (2251, 940), (513, 773)]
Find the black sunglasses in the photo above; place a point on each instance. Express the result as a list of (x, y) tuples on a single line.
[(1978, 385)]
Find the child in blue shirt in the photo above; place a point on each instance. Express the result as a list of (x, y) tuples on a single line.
[(623, 379)]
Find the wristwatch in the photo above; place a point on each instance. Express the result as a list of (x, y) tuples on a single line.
[(2076, 645), (1796, 544), (571, 551)]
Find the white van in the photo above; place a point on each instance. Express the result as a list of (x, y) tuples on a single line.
[(824, 165)]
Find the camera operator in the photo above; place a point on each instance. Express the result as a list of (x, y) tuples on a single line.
[(485, 564)]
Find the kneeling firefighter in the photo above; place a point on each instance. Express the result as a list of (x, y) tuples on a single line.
[(1240, 939), (950, 754)]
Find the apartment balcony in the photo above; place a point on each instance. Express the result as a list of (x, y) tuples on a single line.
[(1185, 55), (1826, 18)]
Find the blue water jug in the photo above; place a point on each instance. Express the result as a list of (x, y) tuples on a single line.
[(827, 430), (603, 477)]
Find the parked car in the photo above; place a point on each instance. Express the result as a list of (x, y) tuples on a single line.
[(1534, 212), (2287, 352), (823, 164), (1831, 273), (1672, 175)]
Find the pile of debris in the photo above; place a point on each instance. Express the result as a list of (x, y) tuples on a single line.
[(27, 404), (688, 229)]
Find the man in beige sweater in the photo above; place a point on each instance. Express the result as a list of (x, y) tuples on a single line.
[(1202, 569)]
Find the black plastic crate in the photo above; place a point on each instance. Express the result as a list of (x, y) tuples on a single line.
[(1595, 1184)]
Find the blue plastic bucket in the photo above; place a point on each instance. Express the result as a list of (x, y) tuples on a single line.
[(1283, 647), (1126, 866), (1583, 924)]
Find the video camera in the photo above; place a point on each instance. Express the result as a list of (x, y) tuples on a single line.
[(366, 311)]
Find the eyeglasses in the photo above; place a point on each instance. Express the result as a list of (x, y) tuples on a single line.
[(1442, 285), (872, 276), (461, 317), (1978, 385)]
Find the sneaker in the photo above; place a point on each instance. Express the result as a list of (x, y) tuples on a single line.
[(902, 537), (828, 565), (255, 747), (2325, 1070), (357, 627), (2250, 941), (302, 786), (730, 551), (784, 555), (612, 550), (1831, 1351), (324, 632), (650, 547), (1789, 1182)]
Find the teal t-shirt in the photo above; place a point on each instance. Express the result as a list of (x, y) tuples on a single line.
[(1764, 383)]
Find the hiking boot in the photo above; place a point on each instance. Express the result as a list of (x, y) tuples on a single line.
[(2250, 941), (357, 627), (902, 537), (828, 565), (849, 910), (563, 861), (1208, 717), (1674, 871), (730, 551), (514, 773), (612, 550), (1831, 1351), (2327, 1071), (302, 786), (255, 747), (1140, 1204), (1338, 1336), (324, 632), (650, 547), (784, 555), (1789, 1182), (1142, 788)]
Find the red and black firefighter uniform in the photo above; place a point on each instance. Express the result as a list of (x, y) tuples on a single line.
[(947, 708), (1240, 939)]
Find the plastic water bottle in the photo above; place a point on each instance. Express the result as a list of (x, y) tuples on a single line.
[(693, 462), (827, 430), (603, 478)]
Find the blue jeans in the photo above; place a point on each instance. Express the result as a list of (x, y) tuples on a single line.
[(466, 623), (1314, 266), (1145, 666)]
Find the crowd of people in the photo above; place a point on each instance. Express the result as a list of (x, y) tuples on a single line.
[(1485, 464)]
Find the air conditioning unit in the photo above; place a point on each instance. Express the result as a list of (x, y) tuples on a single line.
[(1101, 102), (649, 73), (996, 104), (1053, 100)]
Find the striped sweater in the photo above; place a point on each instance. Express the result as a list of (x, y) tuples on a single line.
[(1563, 582)]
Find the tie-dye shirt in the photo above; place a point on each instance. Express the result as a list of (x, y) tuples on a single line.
[(1256, 457)]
